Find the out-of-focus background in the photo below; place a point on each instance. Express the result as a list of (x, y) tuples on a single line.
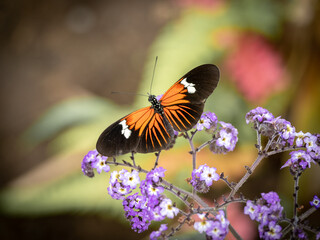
[(59, 61)]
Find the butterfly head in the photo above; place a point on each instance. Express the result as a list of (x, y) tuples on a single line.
[(152, 98)]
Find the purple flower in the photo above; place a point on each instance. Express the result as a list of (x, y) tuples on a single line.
[(202, 177), (153, 190), (271, 197), (299, 160), (216, 231), (300, 138), (225, 139), (100, 164), (222, 218), (203, 225), (208, 175), (311, 143), (150, 189), (252, 210), (134, 201), (167, 208), (155, 174), (208, 120), (118, 191), (271, 231), (89, 162), (156, 214), (156, 234), (216, 228), (131, 179), (288, 131), (315, 154), (258, 115), (315, 202), (115, 176)]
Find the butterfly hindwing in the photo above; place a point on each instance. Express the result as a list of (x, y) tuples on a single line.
[(157, 135), (141, 131), (183, 117), (183, 103)]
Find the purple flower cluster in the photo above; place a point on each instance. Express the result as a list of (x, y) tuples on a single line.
[(202, 178), (216, 228), (284, 134), (267, 211), (122, 183), (146, 206), (299, 160), (225, 139), (268, 126), (208, 121), (137, 212), (313, 146), (94, 160), (258, 115)]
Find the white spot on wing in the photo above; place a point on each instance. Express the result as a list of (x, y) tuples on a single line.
[(125, 130), (189, 86)]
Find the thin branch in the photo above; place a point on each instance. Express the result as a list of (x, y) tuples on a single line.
[(204, 145), (246, 176), (157, 159)]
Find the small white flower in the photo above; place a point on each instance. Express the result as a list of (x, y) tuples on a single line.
[(167, 209)]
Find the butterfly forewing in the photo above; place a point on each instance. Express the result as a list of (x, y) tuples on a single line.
[(183, 103)]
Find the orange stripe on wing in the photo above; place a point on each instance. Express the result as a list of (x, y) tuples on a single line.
[(174, 89), (151, 138), (179, 112), (176, 115), (134, 117), (143, 119), (168, 113), (181, 108), (156, 125), (155, 134), (146, 121)]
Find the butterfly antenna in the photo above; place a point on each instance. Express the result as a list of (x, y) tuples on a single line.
[(154, 69), (139, 94)]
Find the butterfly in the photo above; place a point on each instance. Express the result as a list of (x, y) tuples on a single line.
[(151, 129)]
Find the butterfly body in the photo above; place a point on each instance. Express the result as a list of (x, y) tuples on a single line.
[(152, 128)]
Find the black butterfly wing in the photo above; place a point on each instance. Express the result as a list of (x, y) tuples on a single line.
[(141, 131), (183, 103)]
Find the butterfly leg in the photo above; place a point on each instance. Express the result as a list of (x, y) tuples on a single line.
[(156, 162)]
